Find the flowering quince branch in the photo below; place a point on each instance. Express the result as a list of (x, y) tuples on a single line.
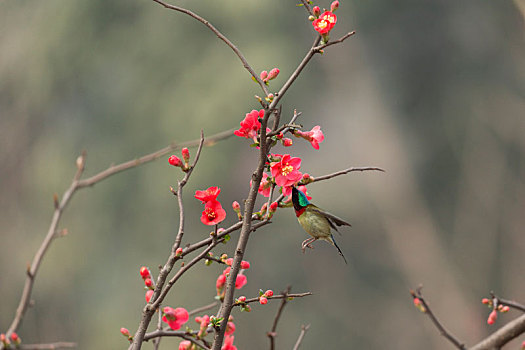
[(340, 40), (220, 36), (272, 333), (422, 305), (494, 341), (159, 292), (279, 296)]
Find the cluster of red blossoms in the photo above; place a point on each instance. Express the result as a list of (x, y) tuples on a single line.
[(213, 212), (204, 322), (325, 22), (493, 316), (240, 281)]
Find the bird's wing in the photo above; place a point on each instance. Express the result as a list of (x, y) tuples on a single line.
[(332, 219)]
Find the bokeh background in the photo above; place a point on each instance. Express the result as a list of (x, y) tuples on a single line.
[(431, 91)]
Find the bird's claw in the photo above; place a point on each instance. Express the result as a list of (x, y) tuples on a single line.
[(306, 244)]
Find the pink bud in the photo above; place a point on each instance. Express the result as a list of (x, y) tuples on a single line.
[(175, 161), (245, 265), (144, 272), (124, 331), (504, 308), (148, 282), (334, 6), (220, 281), (178, 252), (273, 207), (230, 328), (149, 294), (317, 11), (236, 206), (287, 142), (273, 73), (280, 136), (185, 154), (264, 75), (229, 261), (485, 301), (185, 345), (492, 317), (242, 299), (269, 293), (240, 281), (263, 300), (15, 338)]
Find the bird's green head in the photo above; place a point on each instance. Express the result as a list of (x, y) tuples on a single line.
[(299, 199)]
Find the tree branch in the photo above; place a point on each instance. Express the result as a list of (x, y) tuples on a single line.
[(503, 335), (417, 295), (50, 346), (304, 329), (272, 333), (220, 36)]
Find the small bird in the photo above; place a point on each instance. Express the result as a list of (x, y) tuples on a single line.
[(315, 221)]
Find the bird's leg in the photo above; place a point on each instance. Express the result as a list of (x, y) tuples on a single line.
[(308, 243)]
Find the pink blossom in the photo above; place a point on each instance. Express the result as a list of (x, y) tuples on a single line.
[(213, 213), (492, 317), (175, 318), (230, 328), (220, 281), (250, 125), (149, 294), (207, 195), (228, 343), (263, 300), (245, 265), (240, 281), (269, 293), (286, 171)]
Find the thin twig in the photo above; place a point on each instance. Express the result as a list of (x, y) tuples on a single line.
[(307, 7), (115, 169), (50, 346), (279, 296), (510, 303), (304, 329), (346, 171), (158, 334), (50, 236), (220, 36), (272, 333), (503, 335), (330, 43), (426, 309), (202, 308)]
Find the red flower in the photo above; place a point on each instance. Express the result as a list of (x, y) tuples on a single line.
[(325, 22), (175, 317), (286, 171), (213, 213), (230, 328), (208, 195), (265, 186), (250, 125), (228, 343), (240, 281)]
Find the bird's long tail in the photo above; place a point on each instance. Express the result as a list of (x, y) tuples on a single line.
[(339, 249)]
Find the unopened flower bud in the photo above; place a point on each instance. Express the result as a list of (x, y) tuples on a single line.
[(485, 301), (317, 11), (178, 252), (242, 299), (185, 155), (149, 283), (236, 206), (279, 136), (149, 294), (15, 338), (144, 272), (229, 261), (334, 6), (287, 142), (273, 74), (492, 317), (419, 305), (125, 332), (263, 300), (269, 293), (245, 265), (504, 308), (175, 161), (264, 75), (270, 97), (224, 257)]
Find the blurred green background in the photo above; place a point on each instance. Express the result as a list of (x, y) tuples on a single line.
[(431, 91)]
